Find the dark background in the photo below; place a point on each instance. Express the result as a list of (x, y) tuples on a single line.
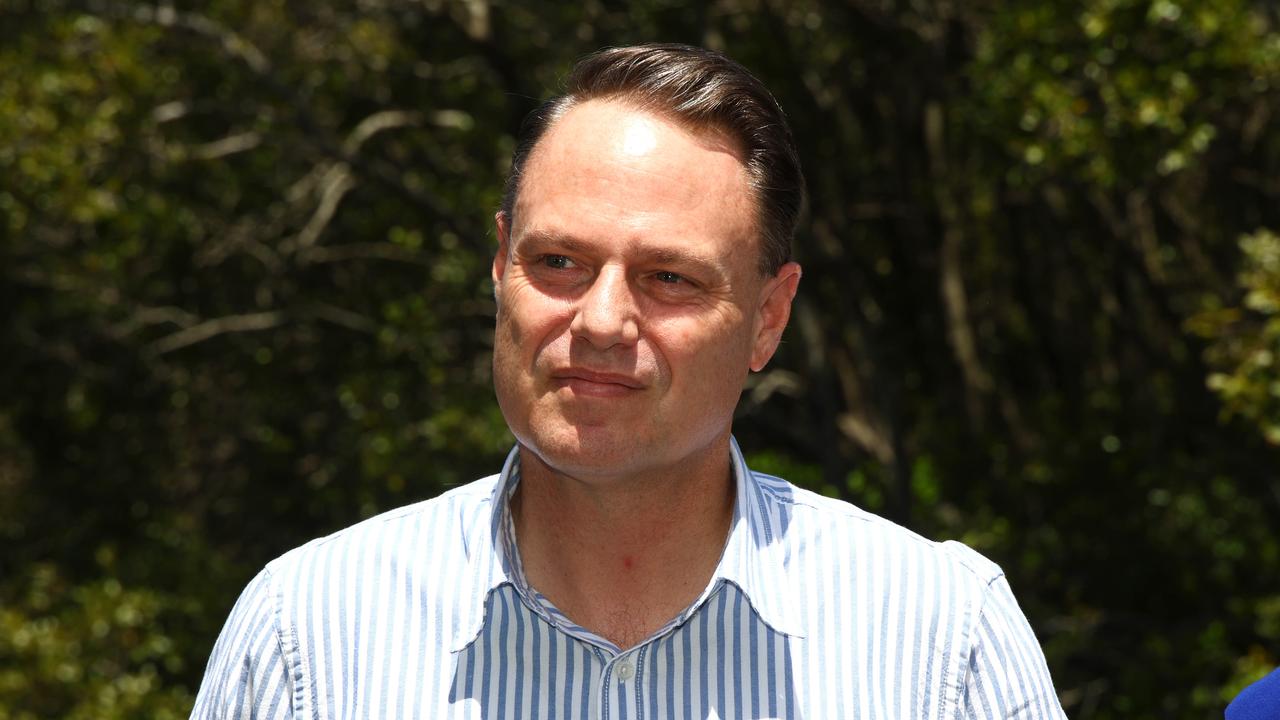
[(244, 251)]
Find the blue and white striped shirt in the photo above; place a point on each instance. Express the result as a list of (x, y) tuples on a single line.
[(816, 610)]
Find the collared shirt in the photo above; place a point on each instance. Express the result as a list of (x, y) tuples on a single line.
[(816, 610)]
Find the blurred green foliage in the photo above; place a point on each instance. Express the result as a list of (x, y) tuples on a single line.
[(244, 260), (88, 651), (1245, 348)]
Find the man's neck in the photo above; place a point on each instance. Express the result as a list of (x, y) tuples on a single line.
[(623, 556)]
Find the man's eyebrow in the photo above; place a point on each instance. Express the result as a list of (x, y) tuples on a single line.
[(680, 257), (672, 255), (548, 237)]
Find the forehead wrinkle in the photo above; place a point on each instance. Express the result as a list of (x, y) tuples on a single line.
[(525, 202)]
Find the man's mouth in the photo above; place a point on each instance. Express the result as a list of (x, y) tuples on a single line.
[(592, 382)]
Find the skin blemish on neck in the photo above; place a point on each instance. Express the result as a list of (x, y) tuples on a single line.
[(628, 562)]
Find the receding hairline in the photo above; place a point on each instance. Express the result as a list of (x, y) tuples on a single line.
[(710, 134)]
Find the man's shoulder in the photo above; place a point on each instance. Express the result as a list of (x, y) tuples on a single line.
[(845, 532), (441, 527)]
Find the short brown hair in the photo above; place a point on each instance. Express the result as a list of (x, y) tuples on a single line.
[(705, 89)]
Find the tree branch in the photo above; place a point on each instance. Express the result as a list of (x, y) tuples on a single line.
[(218, 326), (951, 272)]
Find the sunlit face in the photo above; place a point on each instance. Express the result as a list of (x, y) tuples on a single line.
[(631, 306)]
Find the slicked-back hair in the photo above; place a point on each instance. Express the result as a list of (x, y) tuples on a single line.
[(702, 89)]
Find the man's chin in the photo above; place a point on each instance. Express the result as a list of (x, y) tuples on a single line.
[(588, 451)]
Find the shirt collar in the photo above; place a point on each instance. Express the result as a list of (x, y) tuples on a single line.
[(487, 563), (754, 557)]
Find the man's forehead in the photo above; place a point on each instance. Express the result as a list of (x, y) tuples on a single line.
[(603, 145), (607, 172), (633, 130)]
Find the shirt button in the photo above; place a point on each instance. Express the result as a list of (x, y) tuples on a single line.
[(626, 670)]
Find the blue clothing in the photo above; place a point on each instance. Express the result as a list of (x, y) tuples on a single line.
[(816, 610), (1259, 701)]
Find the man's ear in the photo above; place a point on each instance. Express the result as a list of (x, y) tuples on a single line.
[(773, 312), (503, 253)]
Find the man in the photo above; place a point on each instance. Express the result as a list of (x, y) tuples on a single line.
[(626, 563)]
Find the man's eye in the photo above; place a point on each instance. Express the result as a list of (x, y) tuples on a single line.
[(668, 277), (557, 262)]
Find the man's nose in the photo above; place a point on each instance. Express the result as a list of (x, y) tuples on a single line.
[(606, 313)]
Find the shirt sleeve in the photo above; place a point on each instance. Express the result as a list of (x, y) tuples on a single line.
[(247, 677), (1008, 676)]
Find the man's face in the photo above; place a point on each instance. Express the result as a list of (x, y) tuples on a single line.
[(630, 304)]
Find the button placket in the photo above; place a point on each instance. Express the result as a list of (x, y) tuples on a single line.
[(625, 672)]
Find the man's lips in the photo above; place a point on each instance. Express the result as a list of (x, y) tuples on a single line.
[(591, 382)]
